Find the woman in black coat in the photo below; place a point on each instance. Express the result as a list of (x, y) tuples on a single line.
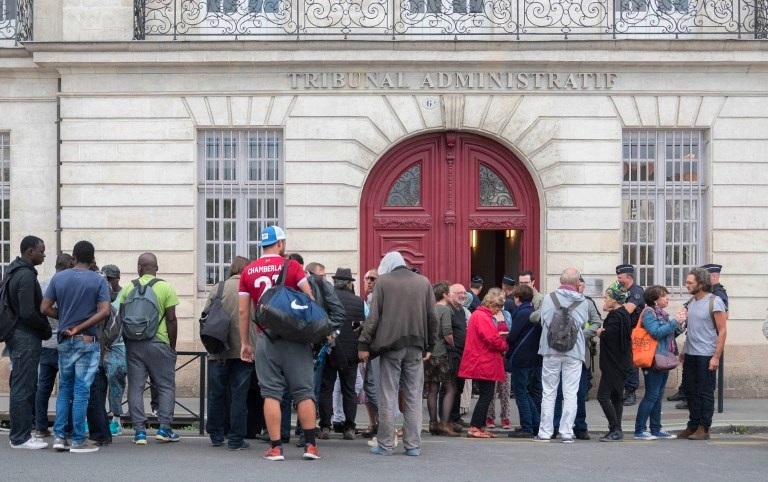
[(615, 359)]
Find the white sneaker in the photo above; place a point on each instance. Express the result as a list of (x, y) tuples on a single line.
[(83, 448), (31, 444)]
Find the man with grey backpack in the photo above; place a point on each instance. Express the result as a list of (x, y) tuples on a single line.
[(148, 310), (563, 316)]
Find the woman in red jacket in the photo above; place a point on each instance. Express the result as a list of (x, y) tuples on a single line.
[(483, 358)]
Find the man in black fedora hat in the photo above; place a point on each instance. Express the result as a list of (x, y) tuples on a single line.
[(342, 361)]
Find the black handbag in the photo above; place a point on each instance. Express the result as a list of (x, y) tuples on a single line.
[(214, 325)]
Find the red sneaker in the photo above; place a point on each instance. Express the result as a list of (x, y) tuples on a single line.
[(505, 424), (275, 453), (490, 423), (311, 452)]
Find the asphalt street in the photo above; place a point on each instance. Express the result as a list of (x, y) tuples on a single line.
[(734, 457)]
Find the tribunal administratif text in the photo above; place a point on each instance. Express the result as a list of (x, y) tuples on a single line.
[(453, 80)]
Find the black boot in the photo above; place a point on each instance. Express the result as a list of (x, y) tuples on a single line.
[(677, 397), (683, 405), (629, 398)]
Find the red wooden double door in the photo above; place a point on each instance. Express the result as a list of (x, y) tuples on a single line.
[(426, 195)]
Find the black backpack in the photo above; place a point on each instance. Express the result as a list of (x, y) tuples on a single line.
[(562, 331), (8, 318), (214, 325)]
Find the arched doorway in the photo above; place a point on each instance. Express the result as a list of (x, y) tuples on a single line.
[(456, 205)]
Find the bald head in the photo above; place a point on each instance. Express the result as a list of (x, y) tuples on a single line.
[(457, 295), (570, 277), (147, 264)]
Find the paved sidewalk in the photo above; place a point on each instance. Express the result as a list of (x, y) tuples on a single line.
[(743, 415)]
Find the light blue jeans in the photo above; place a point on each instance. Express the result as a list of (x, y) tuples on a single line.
[(78, 363)]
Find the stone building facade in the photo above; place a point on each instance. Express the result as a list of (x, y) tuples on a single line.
[(532, 148)]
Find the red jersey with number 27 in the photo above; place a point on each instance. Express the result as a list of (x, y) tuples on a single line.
[(262, 274)]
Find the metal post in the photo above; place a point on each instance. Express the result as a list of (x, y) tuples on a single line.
[(203, 361), (720, 383)]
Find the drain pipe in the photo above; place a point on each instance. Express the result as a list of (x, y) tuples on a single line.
[(58, 167)]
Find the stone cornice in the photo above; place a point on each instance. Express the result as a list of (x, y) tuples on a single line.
[(473, 54)]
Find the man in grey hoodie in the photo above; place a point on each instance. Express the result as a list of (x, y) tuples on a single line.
[(402, 328), (557, 363)]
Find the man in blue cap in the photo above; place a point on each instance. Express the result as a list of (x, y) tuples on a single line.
[(625, 274), (280, 364)]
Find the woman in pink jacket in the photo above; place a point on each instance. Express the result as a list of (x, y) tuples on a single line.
[(483, 358)]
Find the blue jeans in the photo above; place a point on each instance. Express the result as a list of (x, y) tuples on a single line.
[(46, 378), (650, 405), (78, 364), (580, 422), (233, 376), (526, 406)]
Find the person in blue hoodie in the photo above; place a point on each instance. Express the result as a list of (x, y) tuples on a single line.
[(523, 360)]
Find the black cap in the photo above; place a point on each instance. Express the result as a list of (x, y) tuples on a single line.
[(508, 280), (713, 268), (477, 280), (625, 268)]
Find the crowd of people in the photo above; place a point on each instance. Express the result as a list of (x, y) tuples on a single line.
[(70, 325), (398, 342)]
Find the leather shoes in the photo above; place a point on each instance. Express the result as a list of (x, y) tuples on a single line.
[(685, 433), (677, 397), (581, 434), (682, 405), (701, 433), (447, 429)]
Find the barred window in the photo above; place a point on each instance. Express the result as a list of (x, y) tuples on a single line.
[(5, 200), (662, 205), (7, 10), (241, 192)]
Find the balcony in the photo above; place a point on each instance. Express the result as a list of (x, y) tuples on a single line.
[(15, 22), (512, 20)]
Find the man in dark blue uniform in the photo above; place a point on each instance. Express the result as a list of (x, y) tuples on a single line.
[(625, 274), (507, 283), (719, 291), (475, 287)]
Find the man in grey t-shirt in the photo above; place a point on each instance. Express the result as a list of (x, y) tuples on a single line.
[(703, 347)]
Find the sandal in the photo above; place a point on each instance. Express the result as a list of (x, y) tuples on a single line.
[(369, 432), (477, 433)]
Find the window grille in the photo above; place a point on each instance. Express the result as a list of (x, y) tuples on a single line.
[(241, 186), (662, 205)]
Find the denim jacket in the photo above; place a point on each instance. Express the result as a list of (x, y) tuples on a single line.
[(660, 329)]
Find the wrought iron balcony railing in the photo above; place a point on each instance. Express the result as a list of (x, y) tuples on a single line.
[(15, 21), (451, 19)]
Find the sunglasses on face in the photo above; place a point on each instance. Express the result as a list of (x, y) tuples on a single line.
[(370, 278)]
